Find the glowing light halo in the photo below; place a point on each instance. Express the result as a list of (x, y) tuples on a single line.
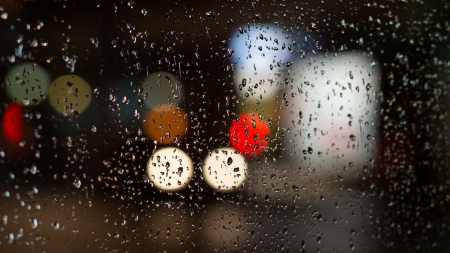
[(170, 169), (249, 134), (162, 88), (225, 169), (70, 94), (166, 124), (261, 52), (331, 116), (13, 123), (27, 83)]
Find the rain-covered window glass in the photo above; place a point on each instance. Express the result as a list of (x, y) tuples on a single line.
[(231, 126)]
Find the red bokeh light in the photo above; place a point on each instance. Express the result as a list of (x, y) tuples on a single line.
[(248, 134), (13, 123)]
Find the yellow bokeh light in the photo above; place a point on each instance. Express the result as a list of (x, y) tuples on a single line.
[(166, 124), (170, 169), (27, 83), (225, 169), (70, 94)]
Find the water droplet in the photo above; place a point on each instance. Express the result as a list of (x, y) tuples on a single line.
[(34, 223), (229, 161), (56, 225), (77, 182)]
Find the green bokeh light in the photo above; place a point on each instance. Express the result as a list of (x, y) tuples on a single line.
[(27, 83)]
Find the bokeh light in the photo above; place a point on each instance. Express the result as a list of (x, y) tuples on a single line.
[(70, 94), (19, 132), (170, 169), (249, 134), (225, 169), (13, 123), (166, 124), (261, 54), (27, 83), (162, 88), (330, 117)]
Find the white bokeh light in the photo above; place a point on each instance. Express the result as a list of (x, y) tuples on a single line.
[(330, 113), (261, 54), (170, 169), (225, 169)]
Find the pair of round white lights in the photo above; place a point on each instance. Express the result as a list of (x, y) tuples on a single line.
[(170, 169)]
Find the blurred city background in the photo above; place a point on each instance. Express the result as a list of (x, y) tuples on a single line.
[(234, 126)]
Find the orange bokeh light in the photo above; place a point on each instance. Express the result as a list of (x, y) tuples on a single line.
[(166, 124)]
